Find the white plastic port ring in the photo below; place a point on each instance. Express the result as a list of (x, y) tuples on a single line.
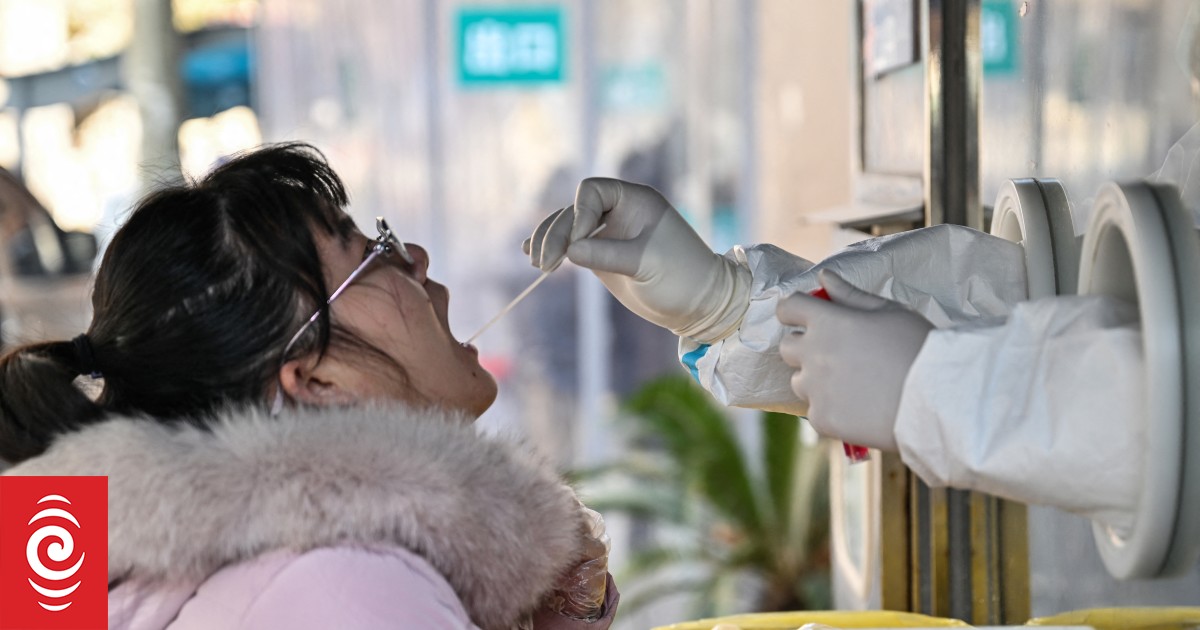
[(1035, 213), (1126, 254), (1185, 251)]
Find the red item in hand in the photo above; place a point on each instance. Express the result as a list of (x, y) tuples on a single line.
[(854, 452)]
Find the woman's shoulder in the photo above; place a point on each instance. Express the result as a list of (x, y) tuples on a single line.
[(185, 503), (351, 587)]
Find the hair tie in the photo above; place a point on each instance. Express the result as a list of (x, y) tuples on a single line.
[(85, 358)]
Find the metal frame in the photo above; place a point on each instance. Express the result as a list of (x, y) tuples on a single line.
[(951, 553)]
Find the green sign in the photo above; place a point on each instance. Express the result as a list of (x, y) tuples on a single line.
[(510, 46), (998, 36), (633, 87)]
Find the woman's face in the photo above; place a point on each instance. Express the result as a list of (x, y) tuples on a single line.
[(399, 311)]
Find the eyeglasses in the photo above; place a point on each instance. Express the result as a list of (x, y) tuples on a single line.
[(386, 245)]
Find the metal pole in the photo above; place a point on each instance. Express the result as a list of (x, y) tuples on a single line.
[(151, 71), (435, 150), (953, 73), (698, 191), (952, 113), (18, 106), (595, 335), (747, 190), (961, 549), (971, 548)]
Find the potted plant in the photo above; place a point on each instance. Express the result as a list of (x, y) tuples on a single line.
[(711, 521)]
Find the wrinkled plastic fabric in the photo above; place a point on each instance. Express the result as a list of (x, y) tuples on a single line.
[(950, 274), (581, 594), (1032, 401), (1182, 169), (1045, 408)]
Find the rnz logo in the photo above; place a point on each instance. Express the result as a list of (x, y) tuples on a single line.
[(55, 584), (53, 552)]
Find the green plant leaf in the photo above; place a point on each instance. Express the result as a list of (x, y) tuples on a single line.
[(688, 470), (653, 505), (644, 466), (639, 598), (707, 600), (809, 503), (648, 561), (780, 445), (697, 435)]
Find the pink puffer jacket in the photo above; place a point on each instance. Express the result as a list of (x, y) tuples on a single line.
[(358, 519), (338, 587)]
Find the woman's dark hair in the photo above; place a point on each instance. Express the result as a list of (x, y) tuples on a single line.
[(194, 301)]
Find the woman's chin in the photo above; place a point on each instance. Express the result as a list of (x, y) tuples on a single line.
[(488, 395)]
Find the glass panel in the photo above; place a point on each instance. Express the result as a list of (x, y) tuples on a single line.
[(650, 91), (1093, 91), (1096, 91)]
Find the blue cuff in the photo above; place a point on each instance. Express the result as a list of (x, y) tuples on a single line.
[(690, 359)]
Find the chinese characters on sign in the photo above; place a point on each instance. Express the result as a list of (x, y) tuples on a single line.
[(500, 46)]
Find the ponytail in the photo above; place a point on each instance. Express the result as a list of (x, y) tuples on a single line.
[(193, 303), (39, 399)]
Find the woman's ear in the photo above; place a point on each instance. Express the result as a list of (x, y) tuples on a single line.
[(313, 382)]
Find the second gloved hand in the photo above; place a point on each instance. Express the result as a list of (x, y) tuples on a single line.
[(586, 593), (649, 258), (852, 358)]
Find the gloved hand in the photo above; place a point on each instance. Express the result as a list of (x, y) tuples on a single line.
[(581, 593), (853, 357), (648, 257)]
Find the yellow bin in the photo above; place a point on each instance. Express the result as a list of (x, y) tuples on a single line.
[(834, 618), (1164, 618)]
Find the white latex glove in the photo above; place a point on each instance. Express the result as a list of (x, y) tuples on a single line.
[(853, 357), (649, 258)]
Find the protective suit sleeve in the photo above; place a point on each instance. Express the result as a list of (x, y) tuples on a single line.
[(1055, 392), (947, 273), (745, 369)]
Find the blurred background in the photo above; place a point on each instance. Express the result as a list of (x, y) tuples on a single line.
[(464, 122)]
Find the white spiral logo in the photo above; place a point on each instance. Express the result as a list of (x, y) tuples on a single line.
[(59, 551)]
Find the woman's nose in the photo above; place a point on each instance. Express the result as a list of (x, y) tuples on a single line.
[(420, 258)]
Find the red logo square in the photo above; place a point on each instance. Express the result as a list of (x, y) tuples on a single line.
[(53, 553)]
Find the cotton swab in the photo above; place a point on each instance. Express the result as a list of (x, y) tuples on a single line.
[(523, 294)]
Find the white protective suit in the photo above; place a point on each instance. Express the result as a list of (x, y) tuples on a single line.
[(1004, 394), (1035, 401)]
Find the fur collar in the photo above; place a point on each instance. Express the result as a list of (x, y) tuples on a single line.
[(183, 501)]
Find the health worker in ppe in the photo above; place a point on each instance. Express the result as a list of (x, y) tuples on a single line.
[(928, 346)]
